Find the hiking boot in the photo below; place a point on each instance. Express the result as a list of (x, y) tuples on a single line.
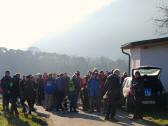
[(50, 109), (76, 111), (25, 115), (106, 118), (91, 111), (114, 120), (11, 113), (134, 119), (140, 117), (17, 115), (71, 110), (33, 109), (29, 113)]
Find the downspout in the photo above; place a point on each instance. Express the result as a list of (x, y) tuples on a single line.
[(129, 62)]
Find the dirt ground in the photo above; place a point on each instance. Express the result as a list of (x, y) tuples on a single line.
[(87, 119)]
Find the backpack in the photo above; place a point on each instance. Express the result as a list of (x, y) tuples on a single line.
[(71, 86)]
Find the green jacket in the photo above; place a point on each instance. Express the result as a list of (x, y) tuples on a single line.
[(73, 87)]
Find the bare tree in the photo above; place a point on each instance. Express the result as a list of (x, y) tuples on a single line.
[(162, 21)]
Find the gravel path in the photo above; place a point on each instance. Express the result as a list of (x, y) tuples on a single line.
[(86, 119)]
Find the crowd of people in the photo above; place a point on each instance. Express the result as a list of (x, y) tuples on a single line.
[(98, 91)]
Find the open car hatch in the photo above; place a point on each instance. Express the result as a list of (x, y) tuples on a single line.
[(148, 71)]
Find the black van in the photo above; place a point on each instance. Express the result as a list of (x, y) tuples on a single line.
[(153, 89)]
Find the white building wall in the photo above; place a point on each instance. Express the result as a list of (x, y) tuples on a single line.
[(157, 56), (135, 58)]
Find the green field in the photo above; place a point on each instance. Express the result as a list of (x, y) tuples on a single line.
[(31, 120)]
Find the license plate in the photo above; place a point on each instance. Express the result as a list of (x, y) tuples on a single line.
[(148, 102)]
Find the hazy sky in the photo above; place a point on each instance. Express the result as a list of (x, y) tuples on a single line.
[(23, 22), (102, 32), (77, 27)]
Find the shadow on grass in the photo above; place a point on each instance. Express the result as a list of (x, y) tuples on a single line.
[(39, 121), (12, 121), (17, 122)]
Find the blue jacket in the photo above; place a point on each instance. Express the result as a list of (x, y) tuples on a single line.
[(50, 86), (94, 87), (60, 84)]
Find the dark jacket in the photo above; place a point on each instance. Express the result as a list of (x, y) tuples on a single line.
[(67, 81), (40, 88), (14, 89), (29, 89), (112, 88), (22, 87), (5, 84), (138, 87), (122, 79)]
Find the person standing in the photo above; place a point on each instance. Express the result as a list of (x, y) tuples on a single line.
[(5, 84), (78, 88), (94, 87), (15, 94), (40, 90), (67, 80), (138, 88), (84, 94), (60, 92), (54, 104), (73, 93), (34, 80), (22, 93), (29, 92), (125, 75), (102, 78), (49, 92), (112, 95)]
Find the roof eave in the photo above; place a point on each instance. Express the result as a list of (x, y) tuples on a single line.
[(144, 43)]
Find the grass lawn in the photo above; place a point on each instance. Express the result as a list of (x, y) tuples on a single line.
[(160, 118), (31, 120)]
